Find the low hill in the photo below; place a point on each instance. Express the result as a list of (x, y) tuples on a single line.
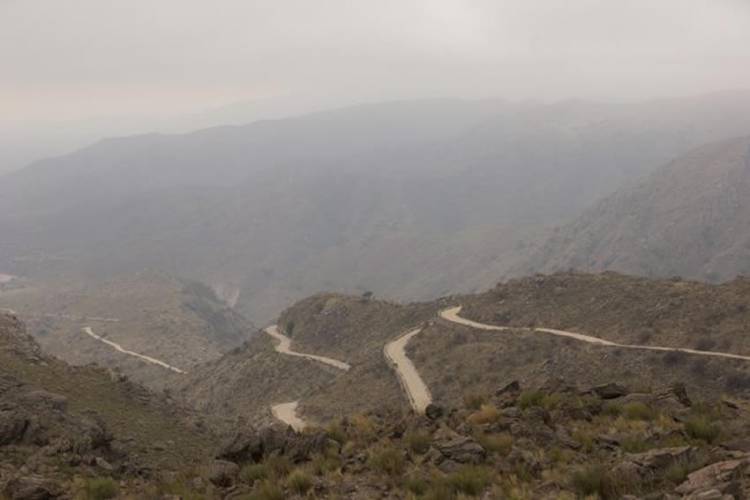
[(690, 218), (179, 322)]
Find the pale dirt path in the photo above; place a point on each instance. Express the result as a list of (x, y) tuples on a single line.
[(287, 413), (88, 331), (285, 347), (451, 314), (415, 388)]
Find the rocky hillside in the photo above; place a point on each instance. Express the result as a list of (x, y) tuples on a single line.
[(68, 430), (180, 322), (456, 360), (250, 379), (516, 413), (552, 441), (690, 218)]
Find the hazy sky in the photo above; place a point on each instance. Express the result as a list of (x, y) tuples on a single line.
[(82, 58)]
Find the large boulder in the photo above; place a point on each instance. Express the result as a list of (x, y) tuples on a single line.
[(722, 477), (458, 448), (13, 425), (222, 473), (32, 487), (662, 458), (433, 411), (249, 445), (610, 391)]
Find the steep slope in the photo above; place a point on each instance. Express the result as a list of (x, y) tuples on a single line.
[(281, 209), (178, 322), (690, 218), (59, 421)]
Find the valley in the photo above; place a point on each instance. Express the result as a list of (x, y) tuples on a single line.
[(435, 250)]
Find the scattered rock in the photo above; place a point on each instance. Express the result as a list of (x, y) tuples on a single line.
[(103, 464), (526, 460), (31, 487), (13, 425), (662, 458), (458, 448), (513, 388), (680, 392), (433, 411), (610, 391), (222, 473)]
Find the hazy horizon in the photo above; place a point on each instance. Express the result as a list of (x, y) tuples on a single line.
[(85, 70)]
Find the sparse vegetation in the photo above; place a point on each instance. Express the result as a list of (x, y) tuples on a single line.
[(267, 490), (485, 415), (530, 398), (594, 480), (100, 488), (388, 460), (299, 481), (251, 473), (418, 441), (635, 410), (701, 427), (496, 443)]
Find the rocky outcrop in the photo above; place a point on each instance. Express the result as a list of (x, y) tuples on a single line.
[(722, 478), (32, 487), (449, 449), (250, 445)]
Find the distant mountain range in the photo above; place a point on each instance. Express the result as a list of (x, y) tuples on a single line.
[(406, 199)]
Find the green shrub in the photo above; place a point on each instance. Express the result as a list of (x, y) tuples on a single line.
[(253, 472), (323, 464), (416, 485), (612, 410), (418, 441), (527, 399), (701, 427), (278, 466), (101, 488), (336, 432), (299, 481), (594, 480), (387, 460), (470, 480), (635, 410), (496, 443), (676, 473), (633, 444), (267, 490)]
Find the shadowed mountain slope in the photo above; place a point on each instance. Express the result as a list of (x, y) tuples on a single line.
[(689, 218), (410, 199)]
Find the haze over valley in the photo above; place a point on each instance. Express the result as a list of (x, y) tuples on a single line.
[(420, 250)]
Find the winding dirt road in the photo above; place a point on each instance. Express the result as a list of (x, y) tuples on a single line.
[(419, 394), (452, 314), (413, 385), (287, 413), (88, 331), (285, 347)]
